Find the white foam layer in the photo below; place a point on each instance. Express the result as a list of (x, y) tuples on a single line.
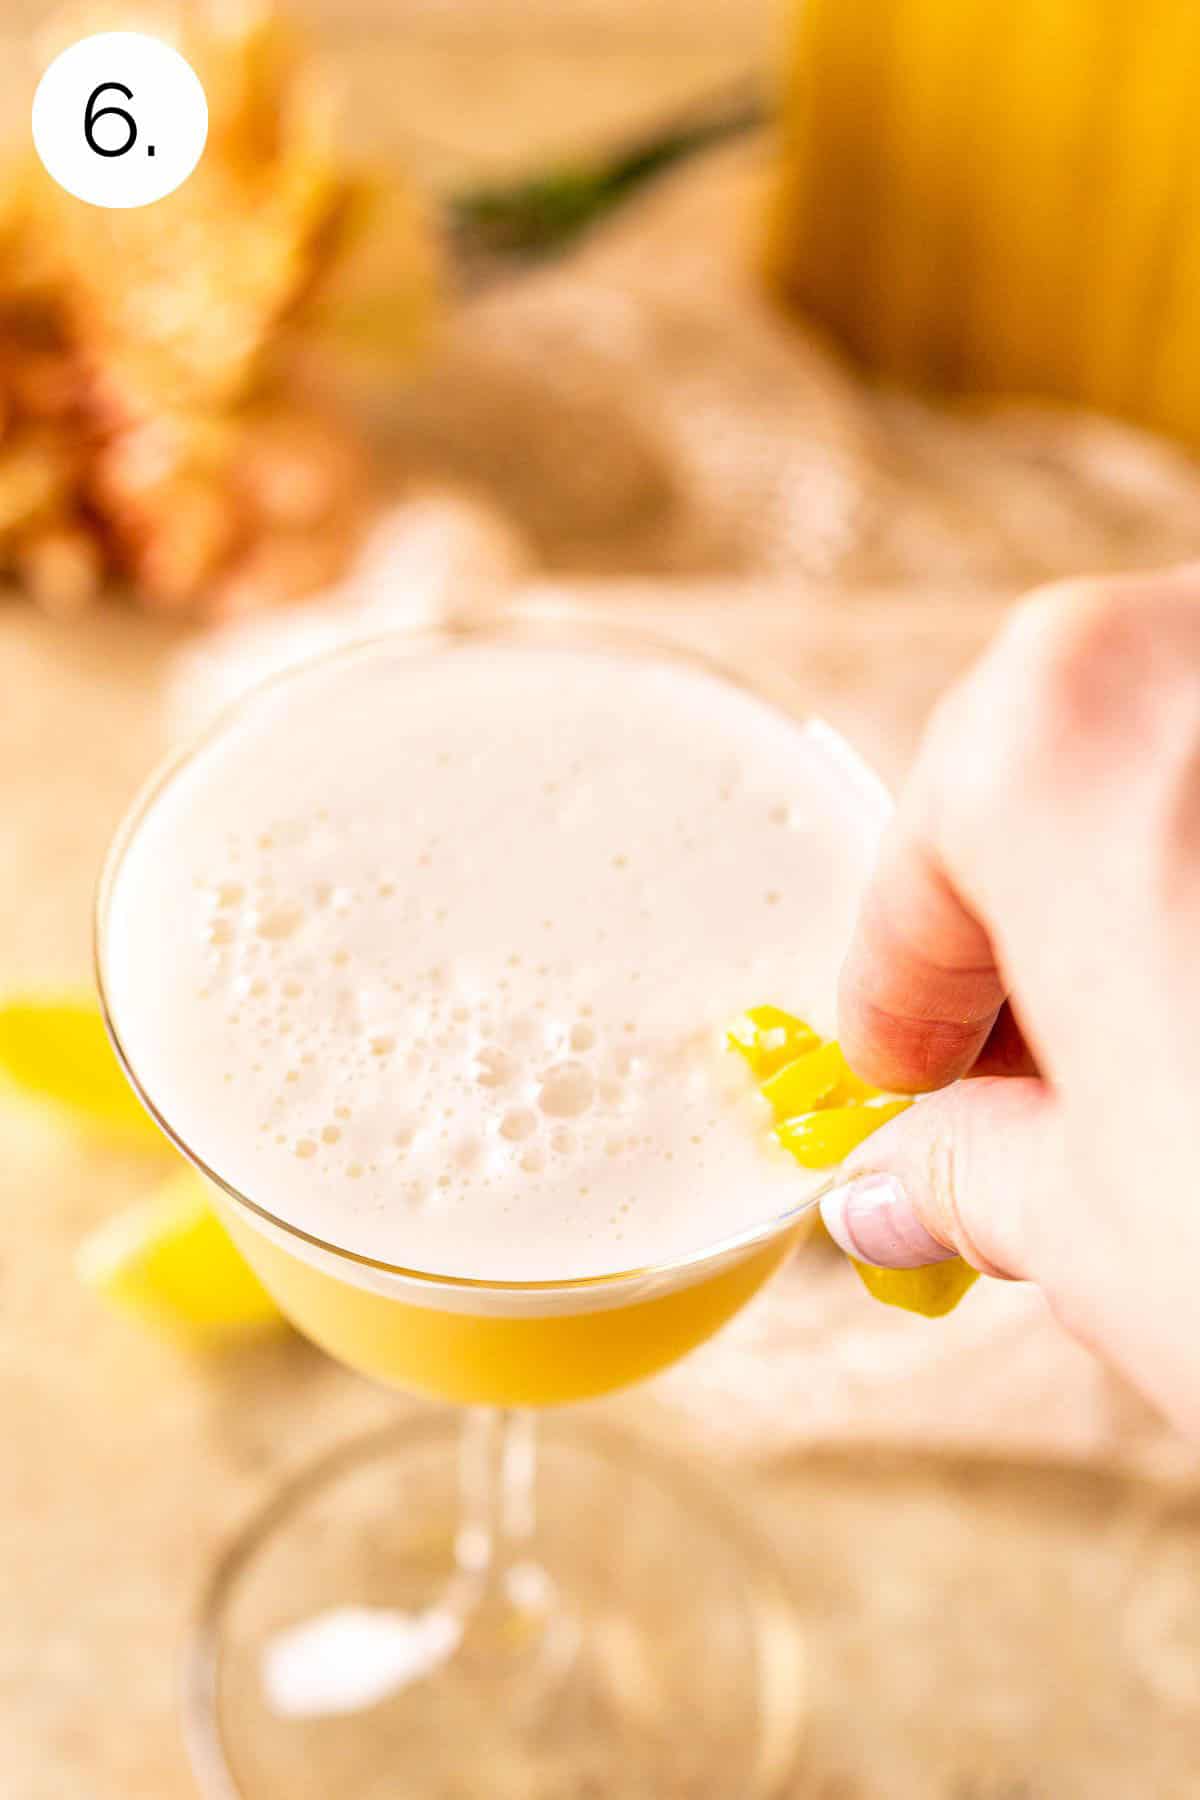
[(431, 952)]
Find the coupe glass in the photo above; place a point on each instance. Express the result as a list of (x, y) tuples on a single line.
[(441, 1612)]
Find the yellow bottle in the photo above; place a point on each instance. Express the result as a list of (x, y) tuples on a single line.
[(999, 199)]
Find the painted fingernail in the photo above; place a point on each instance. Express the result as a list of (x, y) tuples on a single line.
[(873, 1219)]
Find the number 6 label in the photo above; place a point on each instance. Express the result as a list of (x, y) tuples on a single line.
[(120, 119)]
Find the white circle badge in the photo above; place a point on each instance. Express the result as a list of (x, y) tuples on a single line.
[(120, 119)]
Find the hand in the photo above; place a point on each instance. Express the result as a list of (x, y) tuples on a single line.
[(1034, 922)]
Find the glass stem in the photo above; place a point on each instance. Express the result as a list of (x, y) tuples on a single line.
[(498, 1514)]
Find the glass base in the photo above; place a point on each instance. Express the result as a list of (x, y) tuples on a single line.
[(650, 1653)]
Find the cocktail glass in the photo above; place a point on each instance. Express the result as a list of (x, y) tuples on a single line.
[(443, 1611)]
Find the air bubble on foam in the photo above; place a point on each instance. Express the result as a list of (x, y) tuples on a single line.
[(292, 988), (340, 958), (280, 922), (567, 1090), (383, 1045), (496, 1068), (220, 931), (620, 862), (330, 1134), (342, 1112), (230, 893), (773, 897), (306, 1147), (354, 1171), (533, 1160), (518, 1123), (467, 1152), (582, 1037), (562, 1141)]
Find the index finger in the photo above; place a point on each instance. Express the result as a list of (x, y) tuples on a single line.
[(920, 988)]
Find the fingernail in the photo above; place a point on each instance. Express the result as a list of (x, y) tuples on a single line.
[(873, 1219)]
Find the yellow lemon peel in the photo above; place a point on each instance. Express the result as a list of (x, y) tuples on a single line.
[(767, 1037), (168, 1262), (54, 1049), (824, 1111), (824, 1138)]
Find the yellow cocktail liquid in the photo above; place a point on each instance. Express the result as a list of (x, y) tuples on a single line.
[(525, 1359)]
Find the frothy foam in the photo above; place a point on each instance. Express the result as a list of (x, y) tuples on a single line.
[(431, 953)]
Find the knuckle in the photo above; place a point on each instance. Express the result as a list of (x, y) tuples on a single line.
[(1098, 658), (950, 1176), (1079, 641)]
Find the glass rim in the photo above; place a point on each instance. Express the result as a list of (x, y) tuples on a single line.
[(584, 628)]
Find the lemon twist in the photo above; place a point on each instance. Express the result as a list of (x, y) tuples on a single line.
[(823, 1111)]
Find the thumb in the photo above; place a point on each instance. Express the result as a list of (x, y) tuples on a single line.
[(965, 1172)]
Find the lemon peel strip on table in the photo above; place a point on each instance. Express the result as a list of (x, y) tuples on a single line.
[(54, 1050), (823, 1111), (168, 1262)]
